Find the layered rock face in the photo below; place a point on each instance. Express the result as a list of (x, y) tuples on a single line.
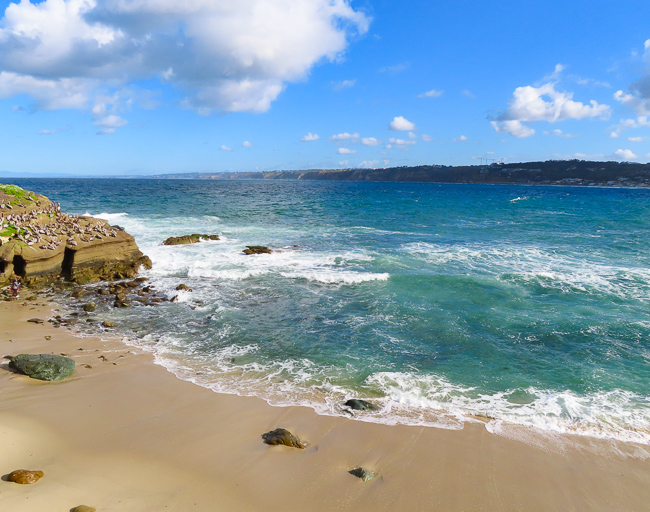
[(41, 244)]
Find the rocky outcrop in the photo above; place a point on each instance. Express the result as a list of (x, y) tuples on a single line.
[(43, 366), (188, 239), (41, 244), (282, 436), (257, 249), (360, 405)]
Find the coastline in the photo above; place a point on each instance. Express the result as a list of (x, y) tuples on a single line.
[(132, 436)]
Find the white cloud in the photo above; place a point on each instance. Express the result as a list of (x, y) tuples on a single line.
[(345, 136), (513, 127), (345, 84), (433, 93), (636, 102), (625, 154), (462, 138), (531, 104), (426, 138), (309, 137), (225, 56), (343, 163), (109, 123), (370, 141), (225, 148), (346, 151), (468, 93), (636, 139), (369, 164), (412, 135), (247, 144), (625, 124), (399, 124), (400, 143)]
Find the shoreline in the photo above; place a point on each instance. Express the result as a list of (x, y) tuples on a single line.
[(126, 434)]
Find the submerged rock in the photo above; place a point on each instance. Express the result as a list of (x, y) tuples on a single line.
[(362, 473), (183, 287), (188, 239), (90, 307), (43, 366), (108, 323), (360, 405), (282, 436), (257, 249), (24, 476)]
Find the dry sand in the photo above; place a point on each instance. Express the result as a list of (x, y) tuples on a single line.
[(132, 437)]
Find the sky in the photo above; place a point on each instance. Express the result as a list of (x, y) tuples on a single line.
[(141, 87)]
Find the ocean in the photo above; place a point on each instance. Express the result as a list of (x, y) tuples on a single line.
[(440, 303)]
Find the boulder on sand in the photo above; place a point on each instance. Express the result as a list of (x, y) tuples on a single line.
[(282, 436), (24, 476), (43, 366)]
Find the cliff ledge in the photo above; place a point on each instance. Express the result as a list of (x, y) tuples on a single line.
[(41, 244)]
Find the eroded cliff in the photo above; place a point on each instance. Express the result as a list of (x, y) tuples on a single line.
[(41, 244)]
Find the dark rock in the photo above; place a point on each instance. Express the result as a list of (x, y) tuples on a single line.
[(43, 366), (90, 307), (364, 474), (360, 405), (183, 287), (108, 323), (257, 249), (174, 298), (141, 279), (24, 476), (83, 508), (188, 239), (103, 291), (36, 320), (282, 436)]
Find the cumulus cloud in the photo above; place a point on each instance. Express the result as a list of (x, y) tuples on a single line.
[(399, 143), (345, 136), (246, 144), (625, 124), (369, 164), (370, 141), (109, 123), (625, 154), (639, 100), (309, 137), (433, 93), (462, 138), (531, 104), (225, 148), (346, 151), (400, 124), (222, 55)]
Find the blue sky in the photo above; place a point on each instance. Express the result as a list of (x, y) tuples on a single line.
[(114, 87)]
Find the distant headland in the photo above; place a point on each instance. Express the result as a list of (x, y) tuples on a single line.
[(550, 172)]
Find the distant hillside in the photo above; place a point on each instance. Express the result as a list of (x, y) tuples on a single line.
[(551, 172)]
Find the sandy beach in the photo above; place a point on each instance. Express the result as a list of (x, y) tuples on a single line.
[(123, 434)]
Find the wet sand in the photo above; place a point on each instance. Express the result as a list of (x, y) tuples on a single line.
[(124, 434)]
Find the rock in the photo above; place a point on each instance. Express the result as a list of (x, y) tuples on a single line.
[(141, 279), (282, 436), (36, 320), (188, 239), (183, 287), (257, 249), (90, 307), (43, 366), (83, 508), (360, 405), (103, 291), (174, 298), (108, 323), (364, 474), (79, 292), (24, 476)]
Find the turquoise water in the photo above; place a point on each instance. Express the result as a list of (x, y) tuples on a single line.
[(528, 305)]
